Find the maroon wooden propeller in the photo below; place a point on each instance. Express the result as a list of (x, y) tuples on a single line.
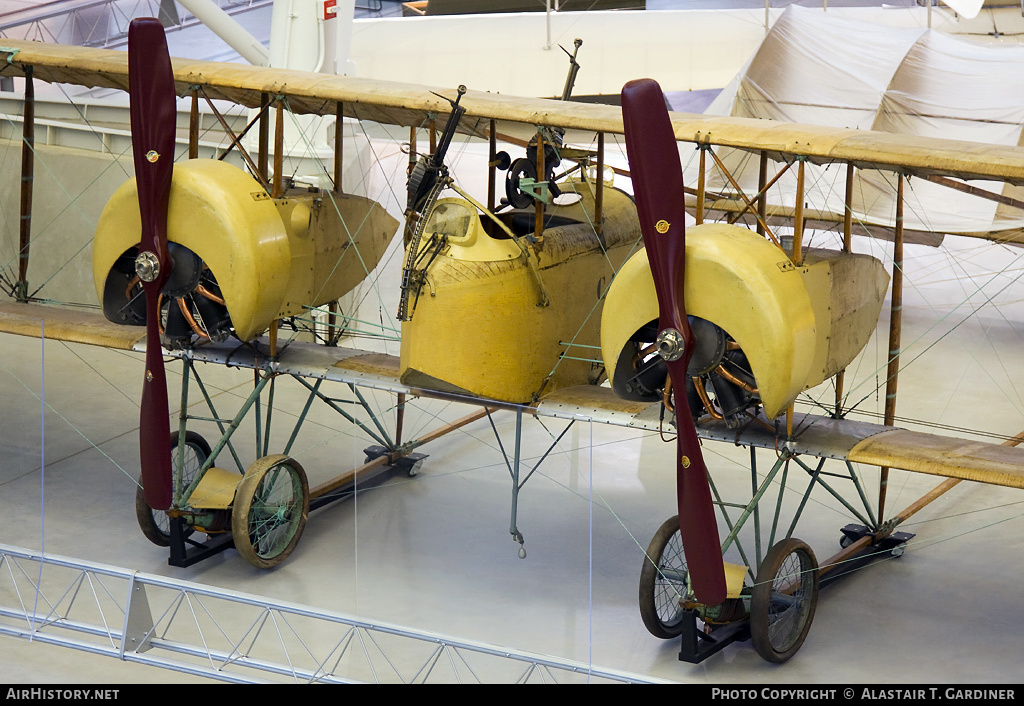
[(153, 114), (658, 190)]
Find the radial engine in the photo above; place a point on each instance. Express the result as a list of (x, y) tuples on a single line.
[(242, 259), (765, 328)]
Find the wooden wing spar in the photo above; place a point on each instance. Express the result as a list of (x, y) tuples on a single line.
[(414, 105)]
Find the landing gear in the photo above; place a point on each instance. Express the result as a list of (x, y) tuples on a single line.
[(261, 510), (773, 602), (663, 582), (783, 600), (156, 524), (270, 510)]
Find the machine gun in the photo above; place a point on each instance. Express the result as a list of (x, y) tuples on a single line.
[(521, 195), (431, 167), (428, 178)]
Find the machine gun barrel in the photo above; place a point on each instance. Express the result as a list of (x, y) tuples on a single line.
[(425, 173), (427, 180), (449, 128), (574, 69)]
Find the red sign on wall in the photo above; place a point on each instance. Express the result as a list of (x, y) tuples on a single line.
[(330, 9)]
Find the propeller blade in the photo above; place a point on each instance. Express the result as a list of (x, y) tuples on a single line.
[(658, 190), (153, 114)]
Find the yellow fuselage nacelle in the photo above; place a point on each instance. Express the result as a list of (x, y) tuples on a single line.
[(480, 326), (272, 257), (797, 325)]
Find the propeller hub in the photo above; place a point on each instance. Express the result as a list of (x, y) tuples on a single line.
[(147, 266), (670, 344)]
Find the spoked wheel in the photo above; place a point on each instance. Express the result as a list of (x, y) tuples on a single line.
[(663, 582), (155, 524), (783, 600), (270, 509)]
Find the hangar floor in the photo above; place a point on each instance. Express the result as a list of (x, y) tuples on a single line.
[(433, 552)]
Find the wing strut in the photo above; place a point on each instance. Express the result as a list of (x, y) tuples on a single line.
[(660, 200)]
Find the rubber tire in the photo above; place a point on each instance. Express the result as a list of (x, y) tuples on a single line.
[(764, 619), (246, 511), (152, 522), (658, 595)]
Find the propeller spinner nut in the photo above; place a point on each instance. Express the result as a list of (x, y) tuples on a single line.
[(670, 344), (147, 266)]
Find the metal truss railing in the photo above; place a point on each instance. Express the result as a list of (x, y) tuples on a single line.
[(100, 23), (237, 637)]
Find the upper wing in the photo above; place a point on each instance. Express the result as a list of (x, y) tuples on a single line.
[(414, 105)]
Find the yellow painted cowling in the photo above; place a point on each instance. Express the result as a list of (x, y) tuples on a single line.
[(797, 326), (271, 258), (480, 325)]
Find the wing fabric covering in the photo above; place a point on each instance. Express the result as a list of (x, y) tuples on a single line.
[(153, 114), (658, 186)]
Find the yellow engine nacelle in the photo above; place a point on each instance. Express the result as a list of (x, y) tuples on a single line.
[(271, 257), (797, 326)]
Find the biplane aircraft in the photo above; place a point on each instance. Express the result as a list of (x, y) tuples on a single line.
[(711, 332)]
